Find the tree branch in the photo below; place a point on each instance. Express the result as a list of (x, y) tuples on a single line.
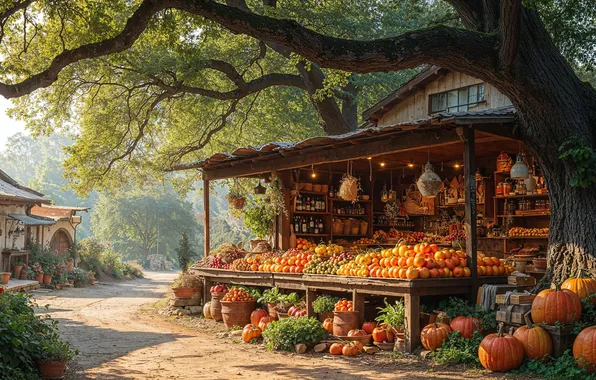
[(470, 11), (5, 15), (491, 15), (509, 29)]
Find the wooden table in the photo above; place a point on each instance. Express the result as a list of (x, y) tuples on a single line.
[(359, 287), (7, 257)]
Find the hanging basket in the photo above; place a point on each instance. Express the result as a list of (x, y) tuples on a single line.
[(429, 183), (237, 203)]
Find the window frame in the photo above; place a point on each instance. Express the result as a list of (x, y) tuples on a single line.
[(457, 90)]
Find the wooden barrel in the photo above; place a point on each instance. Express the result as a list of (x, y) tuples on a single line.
[(344, 321), (237, 313), (215, 306)]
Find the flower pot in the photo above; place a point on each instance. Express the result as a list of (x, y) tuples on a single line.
[(5, 277), (39, 277), (70, 264), (92, 281), (184, 293), (23, 275), (344, 321), (47, 279), (237, 313), (324, 316), (237, 203), (71, 282), (77, 283), (51, 369), (215, 306), (17, 271)]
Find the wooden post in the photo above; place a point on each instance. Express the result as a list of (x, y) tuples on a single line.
[(206, 218), (284, 229), (412, 304), (358, 302), (207, 284), (311, 295), (470, 210)]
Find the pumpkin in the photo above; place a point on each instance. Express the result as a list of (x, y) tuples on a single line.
[(328, 325), (536, 340), (264, 322), (582, 286), (250, 332), (555, 305), (350, 350), (358, 345), (257, 315), (432, 336), (369, 327), (583, 349), (465, 325), (500, 352), (336, 349), (382, 334), (356, 332), (207, 310)]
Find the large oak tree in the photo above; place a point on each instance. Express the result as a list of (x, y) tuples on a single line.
[(504, 42)]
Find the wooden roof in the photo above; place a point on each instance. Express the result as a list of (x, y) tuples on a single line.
[(11, 190)]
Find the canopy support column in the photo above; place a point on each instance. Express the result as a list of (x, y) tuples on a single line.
[(468, 135), (206, 217)]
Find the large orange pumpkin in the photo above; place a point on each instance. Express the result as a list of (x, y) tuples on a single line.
[(250, 332), (536, 341), (583, 348), (582, 286), (432, 336), (556, 305), (465, 325), (265, 321), (256, 315), (328, 325), (500, 352)]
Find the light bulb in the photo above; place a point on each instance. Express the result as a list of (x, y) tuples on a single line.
[(382, 164), (411, 165), (313, 175), (369, 158)]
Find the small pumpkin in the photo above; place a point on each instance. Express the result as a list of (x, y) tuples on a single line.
[(583, 349), (356, 332), (382, 334), (336, 349), (582, 286), (250, 332), (256, 315), (369, 327), (207, 310), (465, 325), (536, 340), (328, 325), (555, 305), (500, 352), (350, 350), (432, 336), (264, 322)]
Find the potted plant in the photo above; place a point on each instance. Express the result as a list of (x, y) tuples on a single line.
[(37, 272), (53, 355), (6, 277), (16, 269), (24, 272), (187, 285), (324, 306), (393, 316), (78, 276), (70, 264), (236, 199), (92, 277)]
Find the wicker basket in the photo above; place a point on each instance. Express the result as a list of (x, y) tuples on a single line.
[(237, 313), (504, 162)]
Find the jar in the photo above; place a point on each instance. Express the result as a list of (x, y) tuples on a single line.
[(500, 188), (506, 189)]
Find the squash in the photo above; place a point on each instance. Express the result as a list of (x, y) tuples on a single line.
[(336, 348), (369, 327), (350, 350), (250, 332), (465, 325), (257, 315), (432, 336), (555, 305), (582, 286), (500, 352), (207, 310), (536, 340), (583, 349), (328, 325), (264, 322)]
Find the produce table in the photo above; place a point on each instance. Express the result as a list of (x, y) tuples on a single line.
[(410, 290)]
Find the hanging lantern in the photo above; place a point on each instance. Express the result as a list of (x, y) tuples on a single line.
[(384, 194), (519, 170), (429, 183), (260, 189)]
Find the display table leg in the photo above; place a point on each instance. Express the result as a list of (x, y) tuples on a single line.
[(207, 284), (412, 304), (311, 295), (358, 301)]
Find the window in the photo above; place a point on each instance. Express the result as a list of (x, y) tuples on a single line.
[(458, 100)]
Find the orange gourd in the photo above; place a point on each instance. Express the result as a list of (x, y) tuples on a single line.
[(336, 348), (257, 315), (350, 350), (583, 349), (555, 305), (432, 336), (500, 352), (265, 321), (250, 332), (328, 325), (465, 325), (582, 286), (536, 340)]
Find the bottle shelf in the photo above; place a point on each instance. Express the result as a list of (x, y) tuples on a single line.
[(521, 196), (352, 215), (310, 213), (312, 235)]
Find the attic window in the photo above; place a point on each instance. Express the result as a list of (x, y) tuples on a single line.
[(461, 99)]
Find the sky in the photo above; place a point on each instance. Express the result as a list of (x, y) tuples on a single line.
[(8, 126)]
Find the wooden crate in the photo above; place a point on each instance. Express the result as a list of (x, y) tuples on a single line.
[(516, 299), (513, 314), (561, 336), (521, 281)]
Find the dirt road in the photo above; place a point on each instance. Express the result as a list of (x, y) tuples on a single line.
[(120, 336)]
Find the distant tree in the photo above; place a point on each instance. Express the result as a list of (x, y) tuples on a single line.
[(185, 252)]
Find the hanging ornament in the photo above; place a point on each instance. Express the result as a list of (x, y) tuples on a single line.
[(519, 170), (384, 194), (429, 183), (260, 189), (392, 193)]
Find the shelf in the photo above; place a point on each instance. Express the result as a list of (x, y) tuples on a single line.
[(522, 216), (344, 201), (392, 226), (351, 215), (521, 196), (314, 235), (310, 213), (519, 238), (312, 192), (342, 235)]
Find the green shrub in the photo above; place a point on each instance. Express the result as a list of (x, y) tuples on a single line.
[(78, 274), (457, 349), (133, 269), (455, 307), (561, 368), (324, 304), (392, 315), (286, 333)]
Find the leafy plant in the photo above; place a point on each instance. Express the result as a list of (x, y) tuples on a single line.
[(457, 349), (78, 274), (187, 280), (184, 252), (392, 315), (286, 333), (563, 367), (583, 156), (270, 296), (588, 317), (52, 348), (324, 304), (455, 307), (258, 218)]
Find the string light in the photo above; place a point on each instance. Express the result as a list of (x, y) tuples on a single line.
[(382, 164), (313, 174), (411, 164), (457, 166), (369, 158)]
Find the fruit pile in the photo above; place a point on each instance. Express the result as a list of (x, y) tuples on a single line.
[(528, 232), (459, 235), (293, 261), (241, 265), (344, 305), (238, 295), (492, 266), (297, 312), (305, 245), (327, 265), (364, 241), (219, 289), (329, 250), (415, 237), (217, 263)]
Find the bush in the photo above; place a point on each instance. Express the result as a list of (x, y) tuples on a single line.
[(457, 349), (456, 307), (286, 333), (103, 260), (50, 261), (78, 274), (187, 280), (324, 304), (563, 367), (133, 269)]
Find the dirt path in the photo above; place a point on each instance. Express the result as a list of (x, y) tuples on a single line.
[(120, 339)]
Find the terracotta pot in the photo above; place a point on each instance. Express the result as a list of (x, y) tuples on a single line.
[(23, 275), (344, 321), (184, 293), (17, 271), (271, 310), (39, 278), (70, 264), (51, 369), (5, 277), (92, 281), (215, 306), (77, 283), (71, 282), (47, 279), (237, 313)]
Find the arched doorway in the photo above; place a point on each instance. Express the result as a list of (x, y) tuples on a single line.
[(61, 241)]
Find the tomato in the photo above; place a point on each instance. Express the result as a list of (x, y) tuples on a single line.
[(381, 334)]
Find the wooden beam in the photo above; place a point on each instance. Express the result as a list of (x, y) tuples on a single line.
[(402, 143), (412, 305), (504, 131), (206, 217), (470, 210)]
